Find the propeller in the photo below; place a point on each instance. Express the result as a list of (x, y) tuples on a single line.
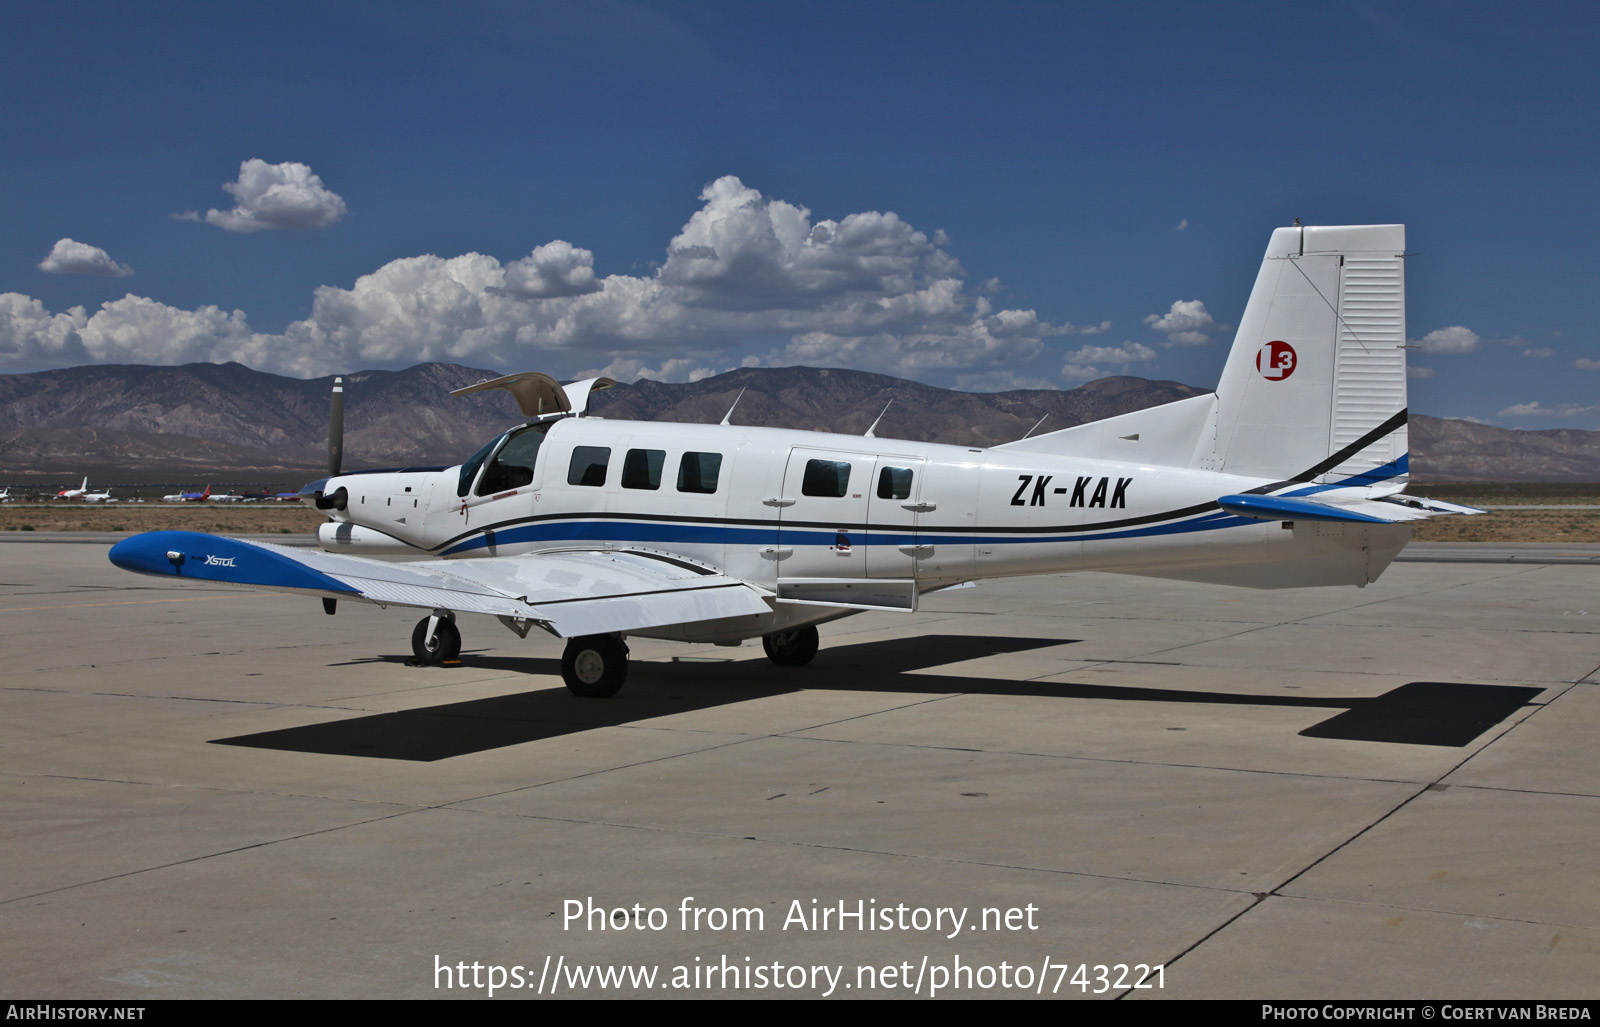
[(336, 428), (313, 491)]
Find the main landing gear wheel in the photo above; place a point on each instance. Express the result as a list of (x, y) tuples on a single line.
[(594, 666), (446, 642), (791, 648)]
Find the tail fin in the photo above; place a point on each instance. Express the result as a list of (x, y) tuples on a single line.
[(1315, 386), (1314, 389)]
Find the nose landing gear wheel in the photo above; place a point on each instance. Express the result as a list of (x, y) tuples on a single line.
[(594, 666), (791, 648), (446, 642)]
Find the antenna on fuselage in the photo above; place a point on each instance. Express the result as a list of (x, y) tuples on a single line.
[(874, 427), (336, 428), (1035, 427), (729, 414)]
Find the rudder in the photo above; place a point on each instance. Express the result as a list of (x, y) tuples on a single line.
[(1315, 386)]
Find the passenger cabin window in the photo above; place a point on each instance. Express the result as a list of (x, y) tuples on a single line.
[(894, 483), (588, 465), (826, 478), (698, 472), (641, 469), (512, 466)]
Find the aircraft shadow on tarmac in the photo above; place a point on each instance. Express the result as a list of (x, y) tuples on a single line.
[(1417, 713)]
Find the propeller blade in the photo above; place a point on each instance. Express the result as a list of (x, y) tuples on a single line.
[(336, 428)]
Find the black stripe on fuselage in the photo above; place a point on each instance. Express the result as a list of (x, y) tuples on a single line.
[(1338, 458)]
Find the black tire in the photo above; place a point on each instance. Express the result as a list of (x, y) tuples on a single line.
[(446, 642), (594, 666), (794, 648)]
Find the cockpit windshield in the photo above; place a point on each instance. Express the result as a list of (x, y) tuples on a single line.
[(514, 455)]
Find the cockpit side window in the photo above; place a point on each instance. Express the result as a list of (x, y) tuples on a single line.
[(469, 470), (512, 467)]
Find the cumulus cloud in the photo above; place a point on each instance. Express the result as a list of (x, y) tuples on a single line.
[(132, 329), (867, 290), (1090, 361), (1535, 409), (1455, 339), (31, 335), (1181, 226), (1186, 323), (70, 257), (669, 371), (555, 269), (1001, 381), (1414, 371), (1127, 353), (745, 251), (286, 197), (1539, 351), (1585, 364)]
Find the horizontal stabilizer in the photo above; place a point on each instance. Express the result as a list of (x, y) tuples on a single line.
[(1433, 506), (1389, 510)]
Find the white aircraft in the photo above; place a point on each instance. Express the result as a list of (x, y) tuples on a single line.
[(188, 497), (97, 497), (1290, 475), (5, 495), (77, 493)]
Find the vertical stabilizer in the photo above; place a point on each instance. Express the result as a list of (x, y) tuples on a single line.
[(1315, 385)]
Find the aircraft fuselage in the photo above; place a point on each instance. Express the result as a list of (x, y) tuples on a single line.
[(863, 522)]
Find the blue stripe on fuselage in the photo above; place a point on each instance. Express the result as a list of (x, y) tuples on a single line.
[(624, 530), (727, 534)]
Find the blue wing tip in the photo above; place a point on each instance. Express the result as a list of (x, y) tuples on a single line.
[(192, 554)]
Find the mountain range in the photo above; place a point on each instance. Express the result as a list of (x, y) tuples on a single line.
[(202, 417)]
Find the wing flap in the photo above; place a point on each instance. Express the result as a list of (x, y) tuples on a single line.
[(575, 593)]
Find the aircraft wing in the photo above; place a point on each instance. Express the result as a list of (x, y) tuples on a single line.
[(1388, 510), (583, 592)]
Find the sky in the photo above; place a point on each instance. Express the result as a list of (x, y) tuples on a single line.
[(978, 196)]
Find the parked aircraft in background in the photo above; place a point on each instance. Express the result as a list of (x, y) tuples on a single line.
[(76, 493), (188, 497), (1291, 474), (228, 497), (97, 497), (5, 495)]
